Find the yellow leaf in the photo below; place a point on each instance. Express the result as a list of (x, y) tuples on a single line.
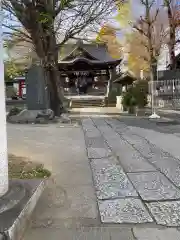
[(138, 55), (124, 15), (107, 35)]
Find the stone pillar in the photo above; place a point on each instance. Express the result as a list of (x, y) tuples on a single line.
[(110, 80), (36, 93), (119, 103), (3, 133)]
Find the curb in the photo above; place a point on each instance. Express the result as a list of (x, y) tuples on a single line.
[(16, 231)]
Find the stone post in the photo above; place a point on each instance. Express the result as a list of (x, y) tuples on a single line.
[(3, 132), (110, 81)]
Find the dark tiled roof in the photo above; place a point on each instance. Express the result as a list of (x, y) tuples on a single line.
[(97, 51), (124, 77), (80, 59), (65, 50)]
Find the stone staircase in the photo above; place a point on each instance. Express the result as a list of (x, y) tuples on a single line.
[(86, 102)]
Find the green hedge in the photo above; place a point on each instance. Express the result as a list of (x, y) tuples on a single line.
[(136, 95)]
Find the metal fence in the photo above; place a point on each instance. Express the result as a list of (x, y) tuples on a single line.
[(165, 93)]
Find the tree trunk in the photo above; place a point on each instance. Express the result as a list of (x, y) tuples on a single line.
[(172, 43), (55, 95), (46, 49), (172, 36)]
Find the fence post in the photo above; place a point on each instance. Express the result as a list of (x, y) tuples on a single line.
[(153, 115)]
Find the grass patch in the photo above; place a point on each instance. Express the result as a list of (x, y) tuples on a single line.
[(21, 168)]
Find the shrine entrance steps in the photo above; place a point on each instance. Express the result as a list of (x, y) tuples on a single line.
[(86, 101)]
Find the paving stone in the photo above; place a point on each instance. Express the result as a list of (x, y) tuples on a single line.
[(123, 211), (171, 168), (131, 160), (92, 133), (115, 124), (138, 142), (111, 190), (98, 152), (154, 186), (87, 122), (135, 163), (157, 154), (146, 148), (156, 234), (113, 139), (110, 180), (95, 142), (99, 122), (166, 213), (105, 170)]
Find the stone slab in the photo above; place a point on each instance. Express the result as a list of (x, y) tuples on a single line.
[(154, 186), (134, 139), (133, 161), (156, 234), (130, 159), (95, 142), (98, 152), (92, 133), (166, 213), (111, 190), (171, 168), (139, 143), (117, 125), (36, 88), (110, 180), (106, 170), (123, 211)]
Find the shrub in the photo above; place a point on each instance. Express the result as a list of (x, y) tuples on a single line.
[(129, 99), (140, 92), (136, 96)]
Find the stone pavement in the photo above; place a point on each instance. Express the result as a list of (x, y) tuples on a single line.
[(136, 175), (68, 208), (122, 183)]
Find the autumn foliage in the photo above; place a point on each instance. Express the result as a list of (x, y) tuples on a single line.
[(138, 57), (107, 35)]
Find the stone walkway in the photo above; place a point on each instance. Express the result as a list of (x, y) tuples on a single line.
[(121, 183), (68, 208), (136, 181)]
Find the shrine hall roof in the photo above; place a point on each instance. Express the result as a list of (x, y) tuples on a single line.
[(96, 52)]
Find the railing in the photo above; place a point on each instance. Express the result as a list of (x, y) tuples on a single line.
[(166, 94)]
